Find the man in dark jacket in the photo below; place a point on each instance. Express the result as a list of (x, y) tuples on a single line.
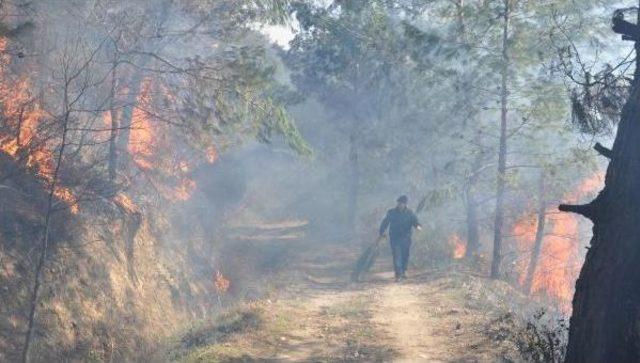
[(400, 221)]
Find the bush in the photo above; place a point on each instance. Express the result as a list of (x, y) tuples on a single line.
[(543, 339)]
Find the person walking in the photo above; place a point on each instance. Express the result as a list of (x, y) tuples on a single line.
[(401, 221)]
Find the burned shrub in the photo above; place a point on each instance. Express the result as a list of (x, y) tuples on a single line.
[(543, 338)]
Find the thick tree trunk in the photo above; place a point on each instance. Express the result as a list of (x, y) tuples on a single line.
[(134, 86), (537, 247), (502, 154), (605, 324)]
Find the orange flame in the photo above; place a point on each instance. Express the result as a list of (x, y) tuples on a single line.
[(124, 202), (560, 258), (65, 195), (149, 146), (142, 141), (459, 246), (184, 190), (23, 117), (211, 154), (221, 283)]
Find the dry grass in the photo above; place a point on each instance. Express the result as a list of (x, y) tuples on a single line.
[(239, 334), (207, 341), (287, 330), (448, 316)]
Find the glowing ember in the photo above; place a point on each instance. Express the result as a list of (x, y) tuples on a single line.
[(184, 190), (184, 166), (459, 246), (211, 154), (124, 202), (560, 258), (221, 283), (67, 196)]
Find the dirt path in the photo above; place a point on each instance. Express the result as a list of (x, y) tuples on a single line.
[(432, 317), (402, 314)]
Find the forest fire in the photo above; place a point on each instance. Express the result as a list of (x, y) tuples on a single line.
[(143, 142), (221, 283), (20, 137), (184, 190), (124, 202), (560, 257), (149, 147), (211, 154), (459, 246), (206, 180)]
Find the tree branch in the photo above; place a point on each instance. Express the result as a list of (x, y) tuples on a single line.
[(606, 152), (586, 210)]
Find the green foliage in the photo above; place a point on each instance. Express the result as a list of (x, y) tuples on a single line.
[(419, 85)]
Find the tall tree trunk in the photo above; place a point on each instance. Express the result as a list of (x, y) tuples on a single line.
[(44, 245), (472, 252), (113, 146), (537, 247), (473, 230), (605, 323), (464, 79), (354, 180), (125, 124), (460, 19), (134, 86), (502, 154)]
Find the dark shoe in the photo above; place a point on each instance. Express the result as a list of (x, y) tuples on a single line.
[(403, 276)]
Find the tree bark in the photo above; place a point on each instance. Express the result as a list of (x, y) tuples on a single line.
[(502, 154), (537, 247), (602, 150), (605, 325)]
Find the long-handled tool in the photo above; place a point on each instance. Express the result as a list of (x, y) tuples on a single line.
[(366, 260)]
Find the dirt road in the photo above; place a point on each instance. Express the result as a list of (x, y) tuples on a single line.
[(435, 316)]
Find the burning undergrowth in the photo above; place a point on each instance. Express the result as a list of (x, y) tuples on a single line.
[(120, 276), (25, 131), (124, 271), (166, 160), (126, 152), (561, 248)]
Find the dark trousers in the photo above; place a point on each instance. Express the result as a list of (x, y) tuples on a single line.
[(400, 250)]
